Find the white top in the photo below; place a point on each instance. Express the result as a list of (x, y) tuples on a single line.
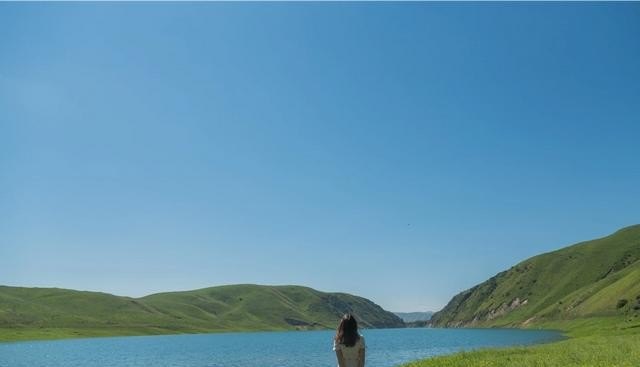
[(350, 354)]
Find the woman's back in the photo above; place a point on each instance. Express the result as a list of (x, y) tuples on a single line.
[(351, 355)]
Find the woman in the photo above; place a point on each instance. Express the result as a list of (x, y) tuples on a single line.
[(348, 344)]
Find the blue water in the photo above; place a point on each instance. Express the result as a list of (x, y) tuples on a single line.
[(385, 348)]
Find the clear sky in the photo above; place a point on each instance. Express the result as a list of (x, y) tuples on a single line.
[(402, 152)]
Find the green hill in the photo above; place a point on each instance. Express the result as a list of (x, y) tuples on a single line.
[(593, 279), (27, 313)]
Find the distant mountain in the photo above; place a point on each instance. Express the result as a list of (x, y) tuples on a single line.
[(414, 316), (63, 312), (590, 279)]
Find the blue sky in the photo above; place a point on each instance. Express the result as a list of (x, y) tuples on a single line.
[(402, 152)]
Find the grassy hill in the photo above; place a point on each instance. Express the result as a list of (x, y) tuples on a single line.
[(590, 290), (28, 313), (598, 278)]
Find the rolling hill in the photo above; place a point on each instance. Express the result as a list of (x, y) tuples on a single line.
[(27, 313), (593, 279)]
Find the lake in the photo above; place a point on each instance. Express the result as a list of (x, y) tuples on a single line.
[(385, 348)]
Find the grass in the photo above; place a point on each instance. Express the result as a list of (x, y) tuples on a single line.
[(592, 342), (593, 351), (26, 334), (22, 334)]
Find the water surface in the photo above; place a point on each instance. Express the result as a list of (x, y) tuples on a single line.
[(385, 348)]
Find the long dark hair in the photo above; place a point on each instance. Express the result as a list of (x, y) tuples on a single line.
[(347, 333)]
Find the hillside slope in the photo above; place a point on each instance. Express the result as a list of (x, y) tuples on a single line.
[(225, 308), (598, 278)]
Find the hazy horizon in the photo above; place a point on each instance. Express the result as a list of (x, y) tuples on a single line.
[(399, 152)]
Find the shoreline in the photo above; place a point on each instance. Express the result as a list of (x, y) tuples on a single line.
[(52, 334)]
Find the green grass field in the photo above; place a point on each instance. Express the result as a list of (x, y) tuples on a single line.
[(592, 351)]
